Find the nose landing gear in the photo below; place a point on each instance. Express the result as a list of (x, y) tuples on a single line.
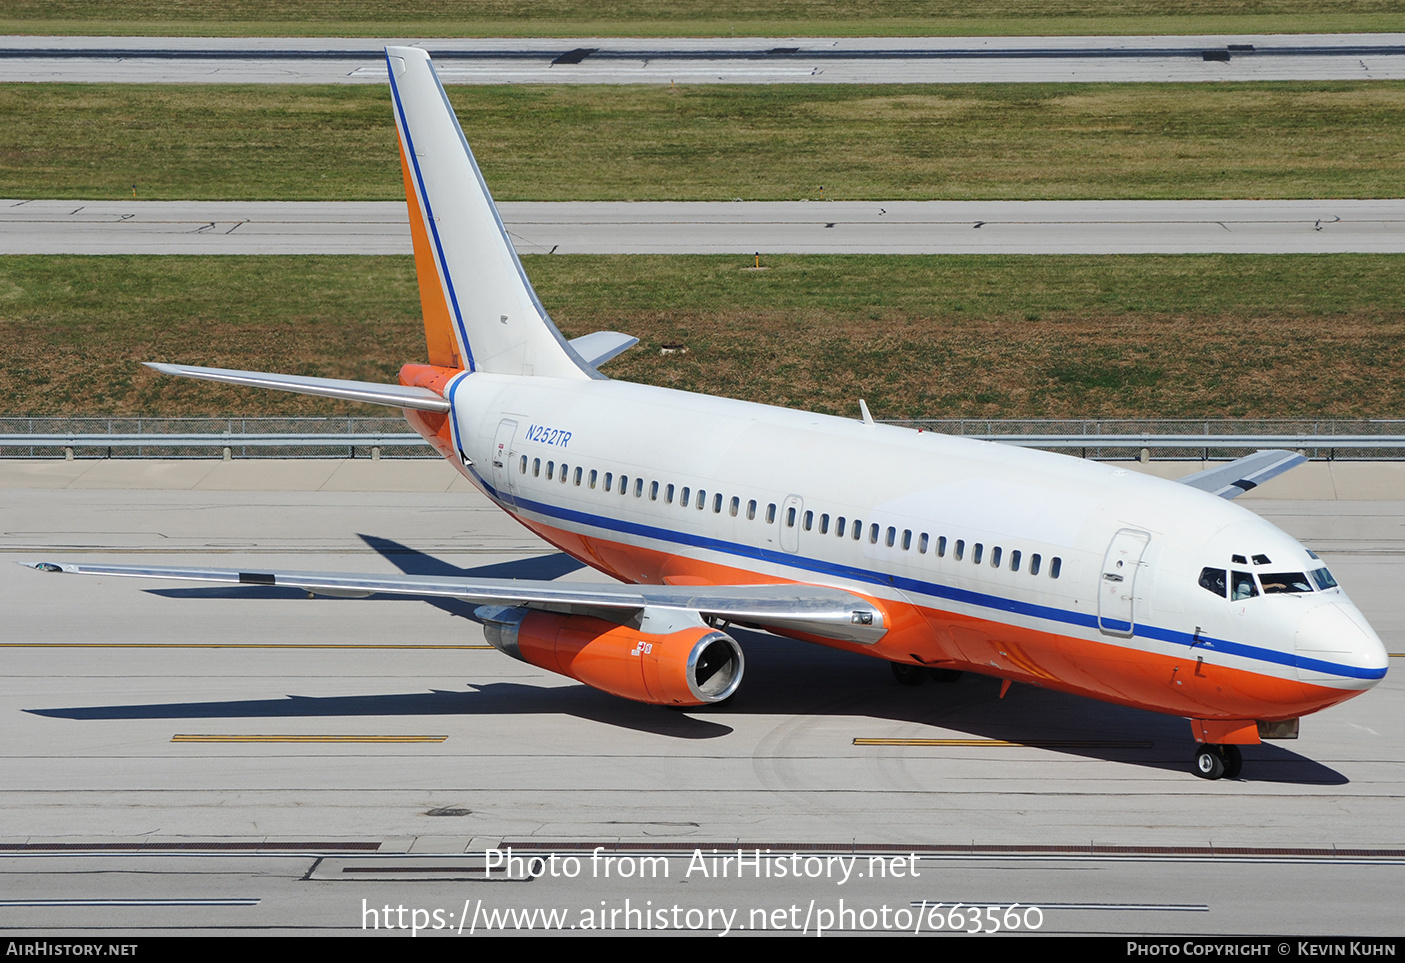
[(1215, 761)]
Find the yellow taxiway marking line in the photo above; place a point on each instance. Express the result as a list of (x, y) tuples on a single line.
[(217, 645), (216, 737), (1003, 743)]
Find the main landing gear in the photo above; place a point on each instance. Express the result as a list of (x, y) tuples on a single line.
[(1214, 762), (908, 674)]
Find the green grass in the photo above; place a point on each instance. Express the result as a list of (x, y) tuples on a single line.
[(987, 141), (1129, 336), (776, 18)]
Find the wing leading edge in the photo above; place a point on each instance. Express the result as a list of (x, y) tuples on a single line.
[(826, 612)]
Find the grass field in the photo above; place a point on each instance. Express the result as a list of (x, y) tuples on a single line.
[(1016, 141), (579, 18), (1009, 337)]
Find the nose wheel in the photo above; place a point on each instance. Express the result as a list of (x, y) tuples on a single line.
[(1216, 762)]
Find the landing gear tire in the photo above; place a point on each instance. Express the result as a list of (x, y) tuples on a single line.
[(1233, 761), (1209, 762), (945, 676), (907, 674)]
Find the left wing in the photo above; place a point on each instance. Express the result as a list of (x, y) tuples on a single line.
[(828, 612)]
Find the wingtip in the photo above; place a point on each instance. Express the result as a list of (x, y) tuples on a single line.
[(43, 566)]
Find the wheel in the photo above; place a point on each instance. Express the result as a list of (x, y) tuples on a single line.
[(1233, 761), (908, 674), (945, 675), (1209, 763)]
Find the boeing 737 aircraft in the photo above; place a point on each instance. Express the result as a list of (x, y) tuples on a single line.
[(938, 554)]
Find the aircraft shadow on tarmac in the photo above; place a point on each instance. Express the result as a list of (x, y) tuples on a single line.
[(782, 678)]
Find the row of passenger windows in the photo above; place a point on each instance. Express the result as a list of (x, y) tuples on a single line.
[(840, 525)]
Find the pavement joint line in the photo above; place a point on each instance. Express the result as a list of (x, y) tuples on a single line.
[(1009, 744), (331, 738)]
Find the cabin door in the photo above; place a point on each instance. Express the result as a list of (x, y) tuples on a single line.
[(1117, 584), (502, 461)]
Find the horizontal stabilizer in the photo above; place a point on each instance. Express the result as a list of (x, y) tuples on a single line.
[(395, 396), (828, 612), (599, 347), (1242, 474)]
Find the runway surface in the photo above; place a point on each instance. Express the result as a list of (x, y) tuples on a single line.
[(845, 227), (716, 60), (281, 759)]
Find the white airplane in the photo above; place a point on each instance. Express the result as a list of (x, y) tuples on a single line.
[(936, 553)]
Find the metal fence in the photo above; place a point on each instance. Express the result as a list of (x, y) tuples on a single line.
[(389, 437)]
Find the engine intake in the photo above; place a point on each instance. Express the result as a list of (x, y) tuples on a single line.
[(684, 663)]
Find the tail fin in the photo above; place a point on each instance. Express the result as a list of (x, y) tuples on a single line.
[(480, 312)]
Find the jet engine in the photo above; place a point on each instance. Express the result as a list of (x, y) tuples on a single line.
[(662, 658)]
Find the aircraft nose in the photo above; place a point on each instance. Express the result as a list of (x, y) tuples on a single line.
[(1335, 645)]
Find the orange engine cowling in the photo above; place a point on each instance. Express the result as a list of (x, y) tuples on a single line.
[(685, 664)]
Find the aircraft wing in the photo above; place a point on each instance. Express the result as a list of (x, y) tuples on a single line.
[(1239, 476), (828, 612)]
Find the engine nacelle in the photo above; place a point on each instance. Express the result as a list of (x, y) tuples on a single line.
[(682, 663)]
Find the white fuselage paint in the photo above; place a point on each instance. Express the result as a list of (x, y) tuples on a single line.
[(1153, 536)]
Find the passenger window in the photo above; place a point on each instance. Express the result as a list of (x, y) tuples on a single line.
[(858, 529), (809, 520), (995, 557), (578, 476), (668, 495), (873, 534), (702, 499), (717, 504), (960, 549), (1034, 564), (609, 481), (841, 525), (922, 544), (751, 510), (564, 472), (976, 551), (638, 488), (824, 524), (892, 536), (735, 507), (1213, 580), (941, 546), (790, 518), (1242, 586), (771, 514), (653, 491), (907, 539), (1056, 565), (1015, 560), (683, 499), (593, 476), (522, 466), (550, 471), (536, 467)]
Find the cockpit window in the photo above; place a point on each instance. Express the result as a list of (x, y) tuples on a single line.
[(1280, 582), (1213, 580), (1323, 578), (1261, 560), (1240, 559), (1242, 586)]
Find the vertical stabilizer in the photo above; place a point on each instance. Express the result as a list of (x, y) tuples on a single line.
[(480, 312)]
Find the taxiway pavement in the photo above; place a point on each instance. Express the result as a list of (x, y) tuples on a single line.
[(167, 741), (711, 60), (794, 227)]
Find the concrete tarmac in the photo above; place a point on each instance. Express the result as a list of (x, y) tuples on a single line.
[(280, 759), (800, 227), (711, 60)]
